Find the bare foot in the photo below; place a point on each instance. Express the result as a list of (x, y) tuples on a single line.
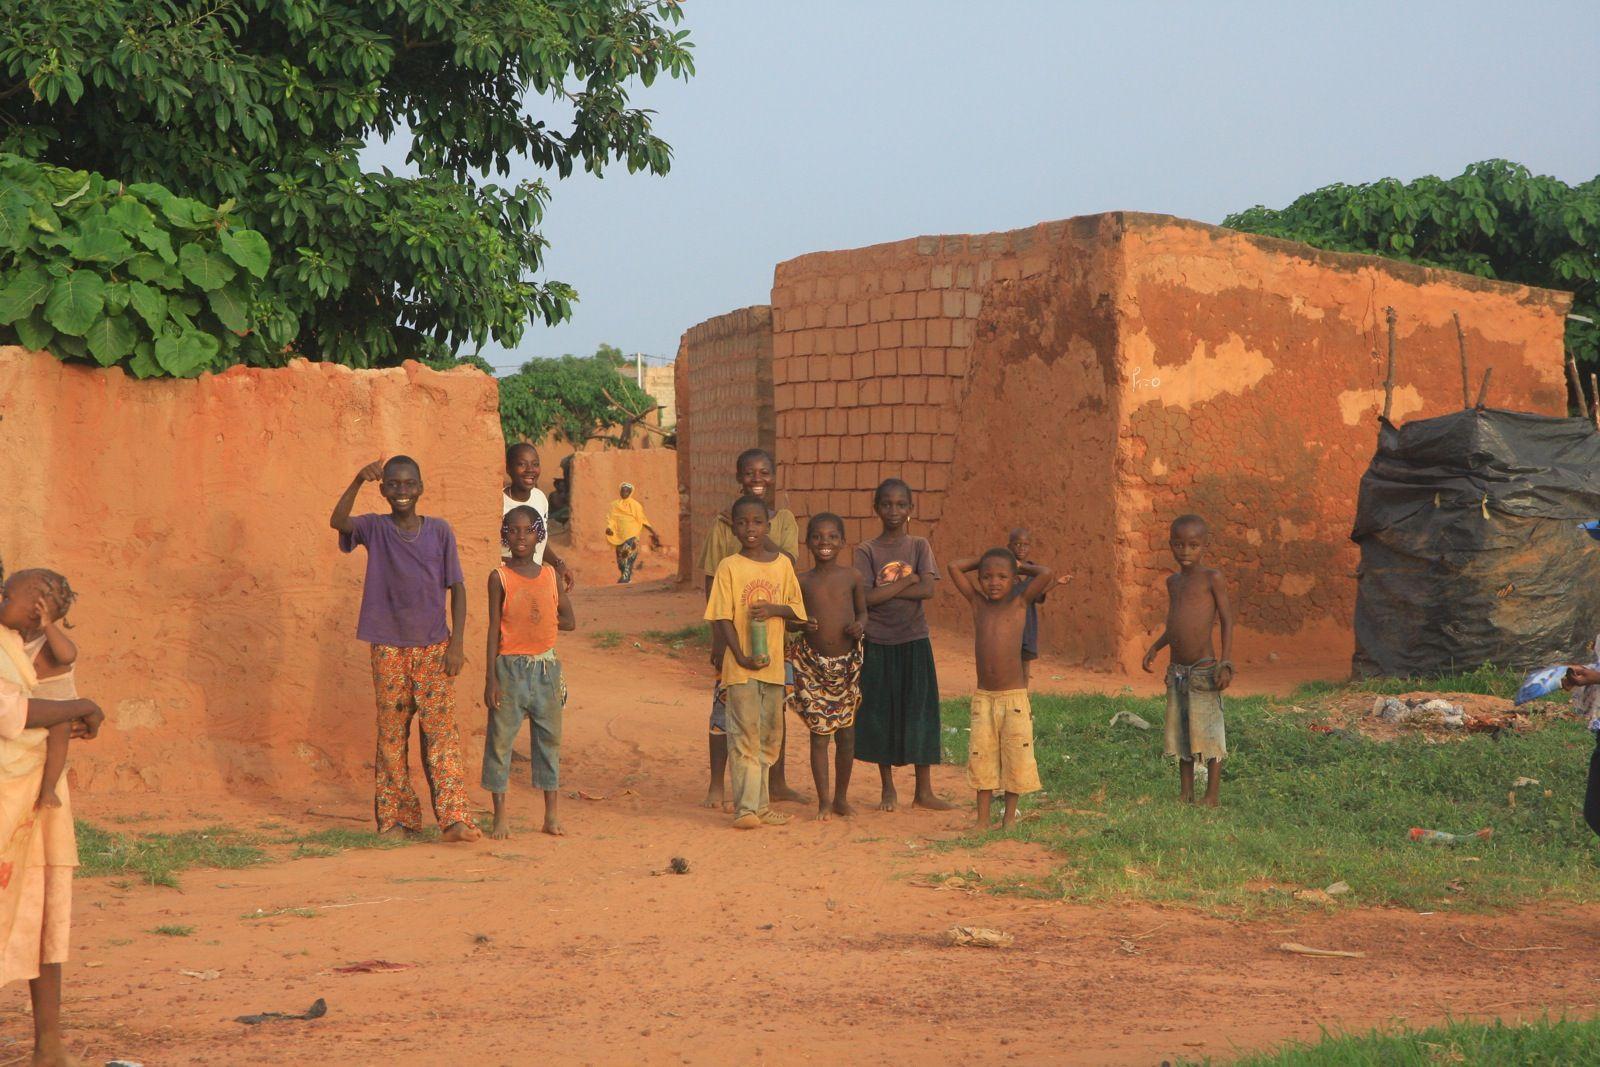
[(1008, 820), (1186, 797), (842, 808), (713, 798), (48, 799), (398, 831), (783, 792), (500, 830), (773, 818), (749, 821), (54, 1054), (553, 828), (890, 798), (933, 802), (460, 832), (1207, 801), (823, 813)]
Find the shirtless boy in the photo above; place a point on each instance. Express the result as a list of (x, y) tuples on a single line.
[(1197, 602), (1000, 753), (827, 660)]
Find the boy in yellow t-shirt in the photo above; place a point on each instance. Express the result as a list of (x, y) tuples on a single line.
[(752, 595)]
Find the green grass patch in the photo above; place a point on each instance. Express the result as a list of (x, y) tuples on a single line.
[(173, 931), (1470, 1044), (1490, 681), (607, 638), (156, 859), (697, 634), (338, 839), (1301, 809)]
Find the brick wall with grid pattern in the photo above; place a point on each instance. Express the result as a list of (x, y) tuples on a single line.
[(725, 397)]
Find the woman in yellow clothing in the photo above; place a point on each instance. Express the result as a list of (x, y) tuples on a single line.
[(623, 526)]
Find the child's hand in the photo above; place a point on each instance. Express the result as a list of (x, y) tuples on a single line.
[(855, 630), (454, 657), (760, 612), (716, 659), (811, 626), (491, 695), (372, 472), (1224, 676), (753, 663), (44, 607), (87, 725)]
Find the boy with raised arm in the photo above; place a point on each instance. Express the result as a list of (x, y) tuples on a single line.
[(411, 561), (753, 593), (1197, 600), (826, 656), (1000, 750)]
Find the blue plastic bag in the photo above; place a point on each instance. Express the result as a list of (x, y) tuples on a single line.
[(1540, 683)]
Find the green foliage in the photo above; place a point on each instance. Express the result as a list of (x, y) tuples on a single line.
[(1547, 1043), (582, 398), (131, 276), (1302, 809), (1496, 220), (268, 105)]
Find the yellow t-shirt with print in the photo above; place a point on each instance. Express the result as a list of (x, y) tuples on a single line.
[(739, 583)]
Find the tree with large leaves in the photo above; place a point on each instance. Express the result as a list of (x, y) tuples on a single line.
[(266, 105), (1496, 220)]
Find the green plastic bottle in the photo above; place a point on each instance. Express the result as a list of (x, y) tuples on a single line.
[(758, 641)]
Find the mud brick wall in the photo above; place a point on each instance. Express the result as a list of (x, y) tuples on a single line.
[(216, 617), (1093, 378), (725, 405), (1251, 381)]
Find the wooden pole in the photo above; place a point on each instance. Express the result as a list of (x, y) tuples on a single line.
[(1483, 390), (1461, 344), (1594, 392), (1388, 383), (1577, 387)]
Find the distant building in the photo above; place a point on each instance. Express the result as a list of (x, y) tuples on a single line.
[(661, 383)]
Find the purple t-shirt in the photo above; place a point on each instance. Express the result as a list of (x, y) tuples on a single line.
[(894, 622), (402, 603)]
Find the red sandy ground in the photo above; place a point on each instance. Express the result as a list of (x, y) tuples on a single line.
[(804, 943)]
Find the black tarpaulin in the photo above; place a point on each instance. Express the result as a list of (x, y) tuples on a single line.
[(1470, 546)]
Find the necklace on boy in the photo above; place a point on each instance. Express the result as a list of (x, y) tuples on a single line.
[(408, 540)]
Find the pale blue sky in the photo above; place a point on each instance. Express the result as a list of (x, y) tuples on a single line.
[(832, 124)]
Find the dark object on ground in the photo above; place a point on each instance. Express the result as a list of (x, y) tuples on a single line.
[(1470, 546), (316, 1011), (679, 865)]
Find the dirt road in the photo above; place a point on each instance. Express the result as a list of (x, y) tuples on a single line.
[(811, 942)]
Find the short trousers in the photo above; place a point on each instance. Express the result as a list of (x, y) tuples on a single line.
[(532, 688), (1194, 713), (1000, 745)]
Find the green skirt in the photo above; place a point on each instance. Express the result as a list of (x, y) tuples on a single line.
[(899, 718)]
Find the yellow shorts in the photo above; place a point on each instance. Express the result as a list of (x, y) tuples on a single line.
[(1000, 746)]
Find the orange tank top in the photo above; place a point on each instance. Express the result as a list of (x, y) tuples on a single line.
[(528, 618)]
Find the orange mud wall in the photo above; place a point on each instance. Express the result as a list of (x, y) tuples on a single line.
[(725, 405), (216, 616), (1093, 378), (596, 478)]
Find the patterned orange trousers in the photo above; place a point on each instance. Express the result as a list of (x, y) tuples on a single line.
[(411, 683)]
